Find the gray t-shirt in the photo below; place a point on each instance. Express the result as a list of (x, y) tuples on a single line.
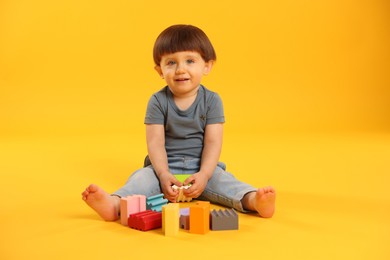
[(184, 129)]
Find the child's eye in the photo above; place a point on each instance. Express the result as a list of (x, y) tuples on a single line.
[(189, 61), (171, 62)]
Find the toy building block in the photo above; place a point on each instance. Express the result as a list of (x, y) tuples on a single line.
[(156, 202), (200, 218), (182, 177), (184, 218), (204, 203), (182, 197), (170, 219), (145, 220), (224, 219), (131, 204)]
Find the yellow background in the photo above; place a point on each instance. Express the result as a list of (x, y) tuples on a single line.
[(306, 90)]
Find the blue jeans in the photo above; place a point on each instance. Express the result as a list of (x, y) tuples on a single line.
[(222, 188)]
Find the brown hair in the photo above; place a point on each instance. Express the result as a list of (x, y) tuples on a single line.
[(182, 37)]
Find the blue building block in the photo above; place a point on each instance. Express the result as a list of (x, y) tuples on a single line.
[(156, 202)]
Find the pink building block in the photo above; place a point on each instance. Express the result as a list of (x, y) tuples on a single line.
[(130, 205)]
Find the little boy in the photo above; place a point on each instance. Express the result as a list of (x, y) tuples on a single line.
[(184, 125)]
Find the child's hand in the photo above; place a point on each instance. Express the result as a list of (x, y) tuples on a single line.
[(198, 181), (166, 182)]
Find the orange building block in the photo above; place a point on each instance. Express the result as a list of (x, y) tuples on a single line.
[(204, 203), (200, 217)]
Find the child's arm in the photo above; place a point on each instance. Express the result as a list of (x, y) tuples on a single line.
[(155, 139), (210, 156)]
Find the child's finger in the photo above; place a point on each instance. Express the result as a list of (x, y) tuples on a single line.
[(170, 195), (189, 180), (176, 182), (191, 192)]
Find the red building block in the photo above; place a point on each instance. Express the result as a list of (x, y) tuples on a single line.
[(145, 220)]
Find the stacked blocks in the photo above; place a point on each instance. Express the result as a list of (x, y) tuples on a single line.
[(145, 220), (182, 178), (156, 202), (131, 204), (170, 219), (200, 217), (224, 219)]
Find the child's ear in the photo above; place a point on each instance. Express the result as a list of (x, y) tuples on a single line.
[(208, 67), (159, 71)]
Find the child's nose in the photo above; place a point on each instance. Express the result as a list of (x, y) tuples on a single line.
[(180, 69)]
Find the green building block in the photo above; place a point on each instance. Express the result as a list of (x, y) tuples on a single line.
[(182, 177)]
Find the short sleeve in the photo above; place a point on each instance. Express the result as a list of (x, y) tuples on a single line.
[(154, 112), (215, 113)]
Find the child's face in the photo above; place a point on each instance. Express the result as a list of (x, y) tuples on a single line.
[(183, 71)]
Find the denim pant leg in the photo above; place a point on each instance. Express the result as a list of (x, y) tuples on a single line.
[(142, 182), (224, 189), (145, 181)]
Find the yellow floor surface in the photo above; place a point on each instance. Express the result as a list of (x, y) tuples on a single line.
[(333, 200)]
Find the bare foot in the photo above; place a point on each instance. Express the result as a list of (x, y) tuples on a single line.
[(263, 201), (104, 204)]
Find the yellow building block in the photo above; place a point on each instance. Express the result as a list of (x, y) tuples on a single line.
[(170, 219), (200, 217)]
